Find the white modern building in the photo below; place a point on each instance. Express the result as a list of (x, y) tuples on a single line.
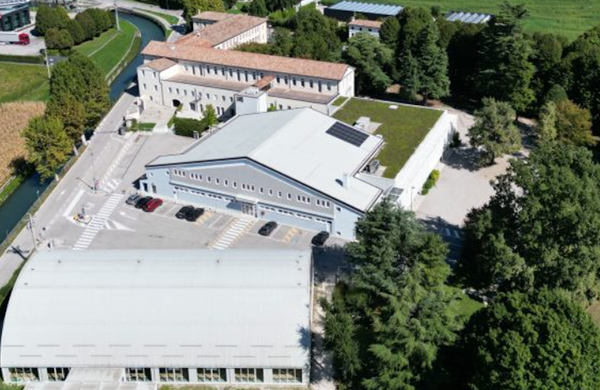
[(297, 167), (101, 319), (356, 26)]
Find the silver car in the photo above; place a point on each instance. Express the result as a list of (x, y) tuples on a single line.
[(133, 199)]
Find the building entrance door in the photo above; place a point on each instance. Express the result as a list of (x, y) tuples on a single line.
[(249, 209)]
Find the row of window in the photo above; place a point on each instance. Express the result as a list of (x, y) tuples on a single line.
[(252, 188), (300, 215), (31, 374), (214, 375)]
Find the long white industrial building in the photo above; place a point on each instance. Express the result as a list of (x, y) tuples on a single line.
[(176, 316)]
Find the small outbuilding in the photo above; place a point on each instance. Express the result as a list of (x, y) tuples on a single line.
[(346, 10)]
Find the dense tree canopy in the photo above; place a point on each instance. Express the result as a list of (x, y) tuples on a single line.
[(48, 145), (541, 227), (58, 39), (535, 341), (386, 325), (372, 59), (315, 36), (258, 8), (50, 17), (494, 130)]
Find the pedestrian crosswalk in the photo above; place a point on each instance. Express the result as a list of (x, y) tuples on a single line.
[(97, 223), (111, 185), (232, 232)]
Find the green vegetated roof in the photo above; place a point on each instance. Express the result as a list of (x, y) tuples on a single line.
[(402, 128)]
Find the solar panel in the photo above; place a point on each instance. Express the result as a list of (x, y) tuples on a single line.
[(347, 133)]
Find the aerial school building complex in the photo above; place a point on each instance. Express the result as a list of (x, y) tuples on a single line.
[(202, 68), (104, 319)]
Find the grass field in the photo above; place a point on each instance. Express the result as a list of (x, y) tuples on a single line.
[(172, 20), (567, 17), (403, 129), (110, 47), (20, 82)]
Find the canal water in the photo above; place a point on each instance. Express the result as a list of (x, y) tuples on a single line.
[(15, 207)]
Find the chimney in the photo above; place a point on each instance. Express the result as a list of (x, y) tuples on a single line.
[(346, 180)]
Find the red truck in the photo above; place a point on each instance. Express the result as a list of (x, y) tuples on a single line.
[(14, 38)]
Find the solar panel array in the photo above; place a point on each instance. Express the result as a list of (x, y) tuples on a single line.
[(468, 17), (347, 133), (367, 8)]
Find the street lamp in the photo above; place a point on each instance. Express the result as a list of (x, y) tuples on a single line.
[(93, 172)]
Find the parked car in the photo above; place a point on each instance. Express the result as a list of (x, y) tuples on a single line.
[(133, 199), (267, 228), (142, 202), (184, 212), (194, 214), (320, 238), (152, 205)]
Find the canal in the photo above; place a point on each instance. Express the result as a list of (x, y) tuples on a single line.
[(15, 207)]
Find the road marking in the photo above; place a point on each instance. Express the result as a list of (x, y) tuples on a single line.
[(233, 231), (73, 203), (98, 222)]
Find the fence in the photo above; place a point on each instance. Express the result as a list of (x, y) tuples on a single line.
[(41, 199)]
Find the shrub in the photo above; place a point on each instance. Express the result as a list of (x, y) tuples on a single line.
[(430, 182), (58, 39), (186, 126), (456, 142)]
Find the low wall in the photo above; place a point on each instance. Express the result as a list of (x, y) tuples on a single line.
[(427, 155)]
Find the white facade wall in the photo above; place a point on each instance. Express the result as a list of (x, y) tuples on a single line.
[(427, 155), (258, 34), (286, 104), (353, 30)]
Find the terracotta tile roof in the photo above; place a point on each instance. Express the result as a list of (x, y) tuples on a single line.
[(160, 64), (366, 23), (225, 29), (260, 84), (212, 15), (252, 61)]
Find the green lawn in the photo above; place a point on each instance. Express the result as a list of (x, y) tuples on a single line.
[(172, 20), (23, 82), (339, 101), (237, 8), (464, 306), (567, 17), (403, 129), (110, 47)]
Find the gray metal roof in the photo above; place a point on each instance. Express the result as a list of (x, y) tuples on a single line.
[(160, 308), (294, 143), (468, 17), (368, 8)]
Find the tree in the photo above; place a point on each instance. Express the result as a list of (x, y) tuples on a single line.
[(543, 222), (71, 112), (315, 36), (210, 116), (276, 5), (546, 129), (229, 4), (494, 130), (58, 39), (522, 341), (282, 42), (47, 18), (463, 50), (395, 300), (258, 8), (574, 124), (546, 58), (80, 78), (555, 94), (506, 71), (371, 58), (87, 24), (48, 145), (422, 64), (193, 7), (76, 31), (389, 32)]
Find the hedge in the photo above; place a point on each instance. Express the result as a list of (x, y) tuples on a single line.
[(22, 59), (430, 182), (187, 126)]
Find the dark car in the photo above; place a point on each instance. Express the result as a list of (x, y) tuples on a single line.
[(184, 211), (267, 228), (142, 202), (320, 238), (152, 205), (133, 199), (194, 214)]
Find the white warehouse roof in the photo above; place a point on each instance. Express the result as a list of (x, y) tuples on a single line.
[(297, 144), (160, 308)]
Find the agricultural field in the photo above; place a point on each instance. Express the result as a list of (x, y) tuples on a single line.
[(567, 17), (14, 118), (20, 82), (110, 47)]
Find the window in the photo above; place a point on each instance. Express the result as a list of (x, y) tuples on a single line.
[(185, 92), (217, 181), (173, 374), (251, 375), (170, 90), (138, 375), (208, 179), (145, 86), (278, 79), (177, 90), (155, 87), (289, 196), (338, 209), (226, 182), (234, 184), (302, 82), (56, 374), (311, 83), (279, 194), (328, 86), (261, 190), (212, 375), (270, 192), (24, 374), (294, 81)]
